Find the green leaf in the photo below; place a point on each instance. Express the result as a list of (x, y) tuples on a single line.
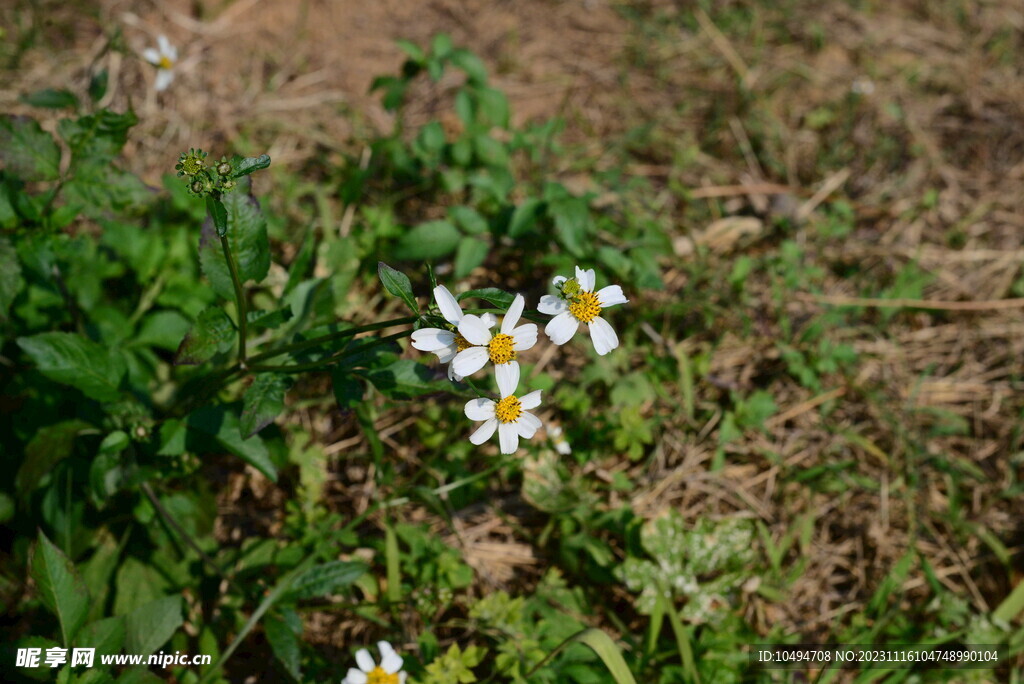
[(96, 190), (471, 253), (219, 215), (149, 626), (572, 223), (398, 284), (73, 360), (96, 139), (430, 240), (106, 636), (498, 298), (59, 587), (11, 281), (270, 320), (247, 237), (606, 649), (245, 166), (392, 561), (162, 329), (222, 424), (524, 216), (28, 152), (468, 219), (264, 401), (212, 332), (405, 379), (98, 85), (348, 390), (284, 634), (474, 67), (48, 98), (431, 137), (489, 151), (493, 107), (326, 579), (414, 51), (441, 46)]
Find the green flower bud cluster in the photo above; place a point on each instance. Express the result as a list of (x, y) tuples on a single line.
[(202, 180)]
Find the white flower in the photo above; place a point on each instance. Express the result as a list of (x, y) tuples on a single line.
[(501, 348), (562, 445), (164, 60), (447, 343), (388, 672), (577, 304), (508, 416)]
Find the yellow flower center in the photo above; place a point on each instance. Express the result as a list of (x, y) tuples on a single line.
[(165, 63), (508, 409), (501, 348), (571, 287), (585, 307), (379, 676), (461, 343)]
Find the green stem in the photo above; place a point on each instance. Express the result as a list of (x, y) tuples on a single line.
[(239, 299), (318, 365), (341, 334)]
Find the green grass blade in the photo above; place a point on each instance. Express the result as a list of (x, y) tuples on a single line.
[(606, 649)]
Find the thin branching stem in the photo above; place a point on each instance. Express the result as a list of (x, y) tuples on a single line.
[(239, 298)]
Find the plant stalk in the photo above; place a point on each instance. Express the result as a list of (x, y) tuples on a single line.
[(239, 299)]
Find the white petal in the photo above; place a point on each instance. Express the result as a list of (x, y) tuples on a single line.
[(512, 315), (552, 305), (507, 375), (525, 427), (610, 296), (432, 339), (508, 438), (558, 280), (354, 677), (553, 430), (484, 432), (480, 409), (603, 336), (453, 376), (531, 400), (165, 45), (172, 52), (364, 660), (447, 354), (474, 329), (163, 79), (586, 279), (448, 305), (525, 337), (151, 55), (469, 361), (563, 448), (401, 677), (489, 319), (562, 327), (391, 661)]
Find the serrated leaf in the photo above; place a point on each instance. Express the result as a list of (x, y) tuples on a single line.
[(398, 284), (28, 152), (405, 379), (96, 190), (247, 238), (96, 139), (48, 98), (11, 281), (524, 216), (73, 360), (212, 332), (430, 240), (326, 579), (222, 425), (471, 253), (245, 166), (498, 298), (59, 587), (149, 626), (263, 402)]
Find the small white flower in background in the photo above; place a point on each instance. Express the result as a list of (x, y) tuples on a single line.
[(447, 343), (862, 86), (508, 416), (501, 349), (561, 443), (164, 60), (388, 672), (578, 303)]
